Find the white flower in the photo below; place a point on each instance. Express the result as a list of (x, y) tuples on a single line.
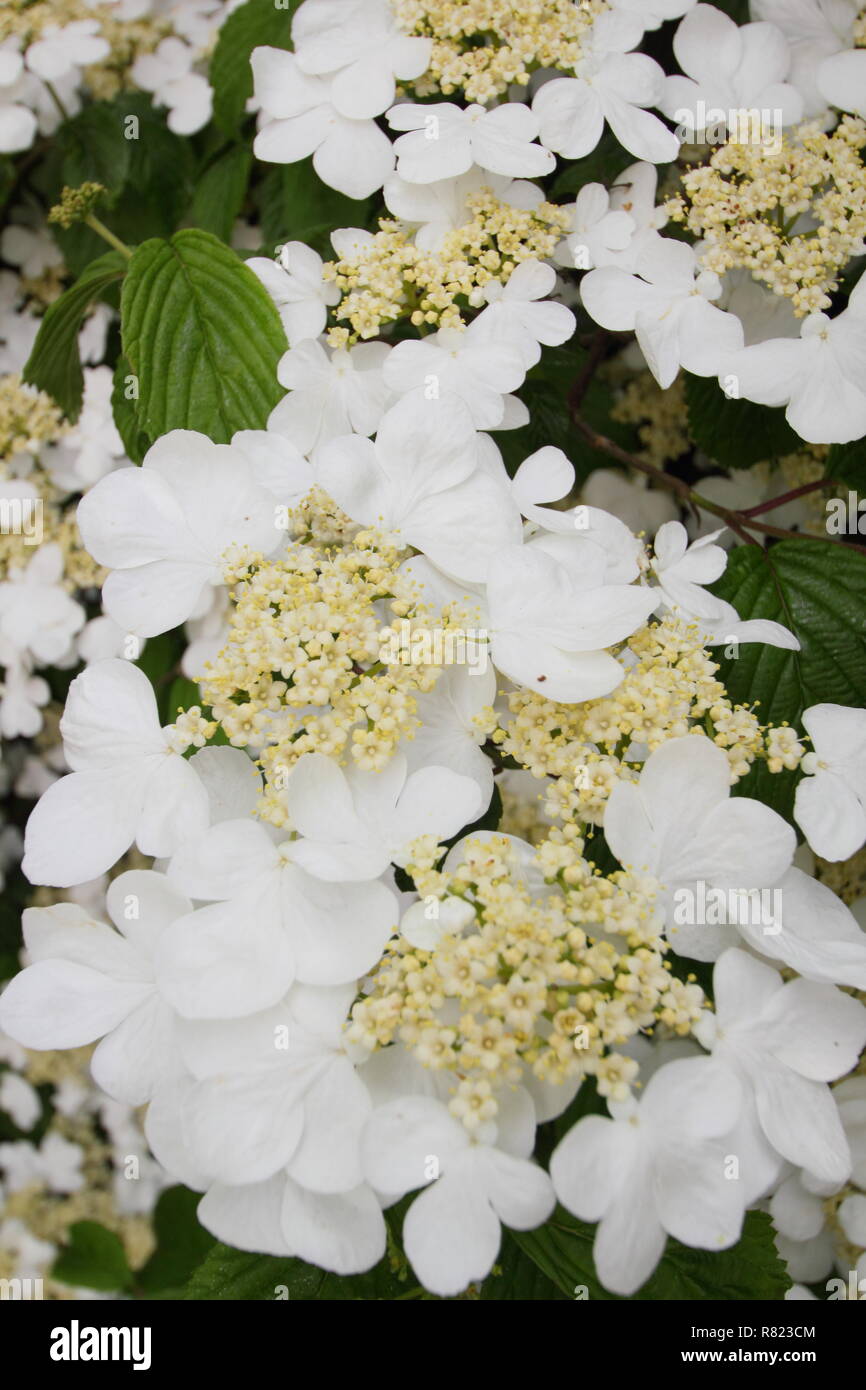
[(94, 447), (127, 784), (515, 317), (783, 1042), (451, 1232), (276, 1091), (37, 614), (682, 569), (448, 737), (165, 528), (56, 1164), (680, 823), (354, 824), (656, 1169), (268, 924), (298, 289), (599, 235), (818, 376), (667, 305), (811, 930), (825, 66), (17, 121), (22, 696), (552, 612), (610, 84), (423, 480), (63, 48), (19, 1100), (88, 981), (441, 207), (331, 393), (167, 73), (359, 45), (466, 362), (443, 141), (298, 118), (343, 1232), (32, 250), (830, 803), (731, 68)]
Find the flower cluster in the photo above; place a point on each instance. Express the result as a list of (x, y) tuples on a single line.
[(794, 216)]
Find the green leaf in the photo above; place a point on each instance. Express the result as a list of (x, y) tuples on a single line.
[(751, 1269), (135, 441), (220, 192), (181, 1242), (736, 433), (182, 695), (126, 145), (93, 146), (846, 463), (296, 206), (515, 1276), (237, 1275), (258, 22), (202, 336), (93, 1259), (818, 591), (54, 365)]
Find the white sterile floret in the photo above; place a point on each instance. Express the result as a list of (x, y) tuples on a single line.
[(826, 67), (268, 924), (423, 480), (17, 122), (830, 803), (610, 84), (600, 234), (474, 1181), (37, 614), (298, 117), (443, 141), (682, 570), (552, 611), (354, 824), (667, 304), (657, 1168), (164, 529), (818, 376), (330, 393), (515, 316), (127, 785), (61, 49), (296, 285), (732, 70), (441, 207), (87, 980), (680, 823), (358, 44), (167, 72), (469, 363), (783, 1042)]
